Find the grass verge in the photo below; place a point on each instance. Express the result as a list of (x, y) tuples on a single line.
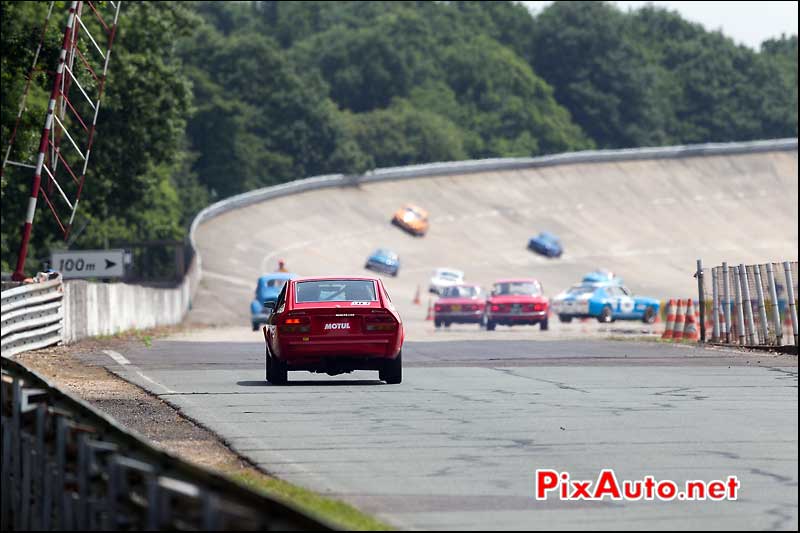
[(336, 511)]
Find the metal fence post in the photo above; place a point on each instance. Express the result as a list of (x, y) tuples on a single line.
[(701, 300), (715, 305), (776, 311), (737, 285), (748, 305), (726, 293), (763, 329), (787, 268)]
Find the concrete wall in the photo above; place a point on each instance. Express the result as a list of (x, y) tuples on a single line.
[(92, 309)]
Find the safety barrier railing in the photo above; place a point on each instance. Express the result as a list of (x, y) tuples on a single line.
[(31, 316), (67, 466), (750, 305)]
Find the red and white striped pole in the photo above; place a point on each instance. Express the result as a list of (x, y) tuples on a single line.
[(37, 175)]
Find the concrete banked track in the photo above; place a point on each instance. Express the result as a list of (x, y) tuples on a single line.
[(648, 221), (456, 444)]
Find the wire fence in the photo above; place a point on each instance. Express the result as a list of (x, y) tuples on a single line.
[(752, 305)]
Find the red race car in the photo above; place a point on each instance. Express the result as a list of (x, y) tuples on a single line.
[(333, 326), (516, 301), (459, 304)]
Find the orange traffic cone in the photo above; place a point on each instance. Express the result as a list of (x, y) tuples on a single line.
[(417, 300), (690, 329), (430, 310), (680, 318), (670, 320)]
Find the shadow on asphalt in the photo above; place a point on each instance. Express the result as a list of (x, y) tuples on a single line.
[(330, 383)]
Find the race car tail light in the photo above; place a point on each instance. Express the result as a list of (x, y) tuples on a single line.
[(495, 308), (296, 325), (538, 307), (438, 307), (380, 323)]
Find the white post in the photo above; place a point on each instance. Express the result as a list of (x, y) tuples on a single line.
[(714, 305), (737, 285), (763, 329), (787, 268), (747, 303), (726, 295), (776, 311)]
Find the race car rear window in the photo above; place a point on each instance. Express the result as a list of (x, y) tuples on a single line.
[(517, 288), (461, 292), (582, 289), (335, 291)]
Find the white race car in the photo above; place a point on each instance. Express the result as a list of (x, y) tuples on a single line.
[(445, 277)]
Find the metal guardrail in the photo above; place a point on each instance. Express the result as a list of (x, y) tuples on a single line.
[(751, 305), (67, 466), (31, 317)]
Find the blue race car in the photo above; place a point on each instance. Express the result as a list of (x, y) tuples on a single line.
[(383, 260), (607, 302), (267, 290), (546, 244), (601, 276)]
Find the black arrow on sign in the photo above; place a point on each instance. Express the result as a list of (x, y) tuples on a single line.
[(109, 264)]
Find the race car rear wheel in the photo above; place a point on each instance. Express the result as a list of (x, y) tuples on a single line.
[(437, 324), (565, 318), (649, 316), (543, 325), (606, 315), (490, 325), (278, 371), (392, 371)]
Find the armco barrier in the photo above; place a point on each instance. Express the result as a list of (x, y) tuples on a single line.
[(31, 317), (67, 466)]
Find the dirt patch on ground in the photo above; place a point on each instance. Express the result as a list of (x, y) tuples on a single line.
[(131, 406)]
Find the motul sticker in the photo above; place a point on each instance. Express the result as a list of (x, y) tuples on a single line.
[(337, 325)]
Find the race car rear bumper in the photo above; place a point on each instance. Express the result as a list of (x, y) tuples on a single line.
[(470, 317), (517, 318), (300, 354)]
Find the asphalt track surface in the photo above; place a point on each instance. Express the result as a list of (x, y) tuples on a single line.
[(457, 443), (455, 446)]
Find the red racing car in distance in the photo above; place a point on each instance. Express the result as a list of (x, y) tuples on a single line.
[(516, 301), (459, 304), (334, 326)]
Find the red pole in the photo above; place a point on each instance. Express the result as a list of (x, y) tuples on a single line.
[(37, 175)]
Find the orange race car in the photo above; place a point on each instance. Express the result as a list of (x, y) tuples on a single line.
[(412, 219)]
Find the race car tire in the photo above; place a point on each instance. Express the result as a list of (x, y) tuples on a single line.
[(437, 324), (279, 372), (565, 319), (447, 324), (490, 325), (394, 274), (392, 371), (268, 365), (255, 326), (649, 316), (606, 315), (543, 325)]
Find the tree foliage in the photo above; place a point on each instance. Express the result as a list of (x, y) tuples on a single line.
[(209, 99)]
